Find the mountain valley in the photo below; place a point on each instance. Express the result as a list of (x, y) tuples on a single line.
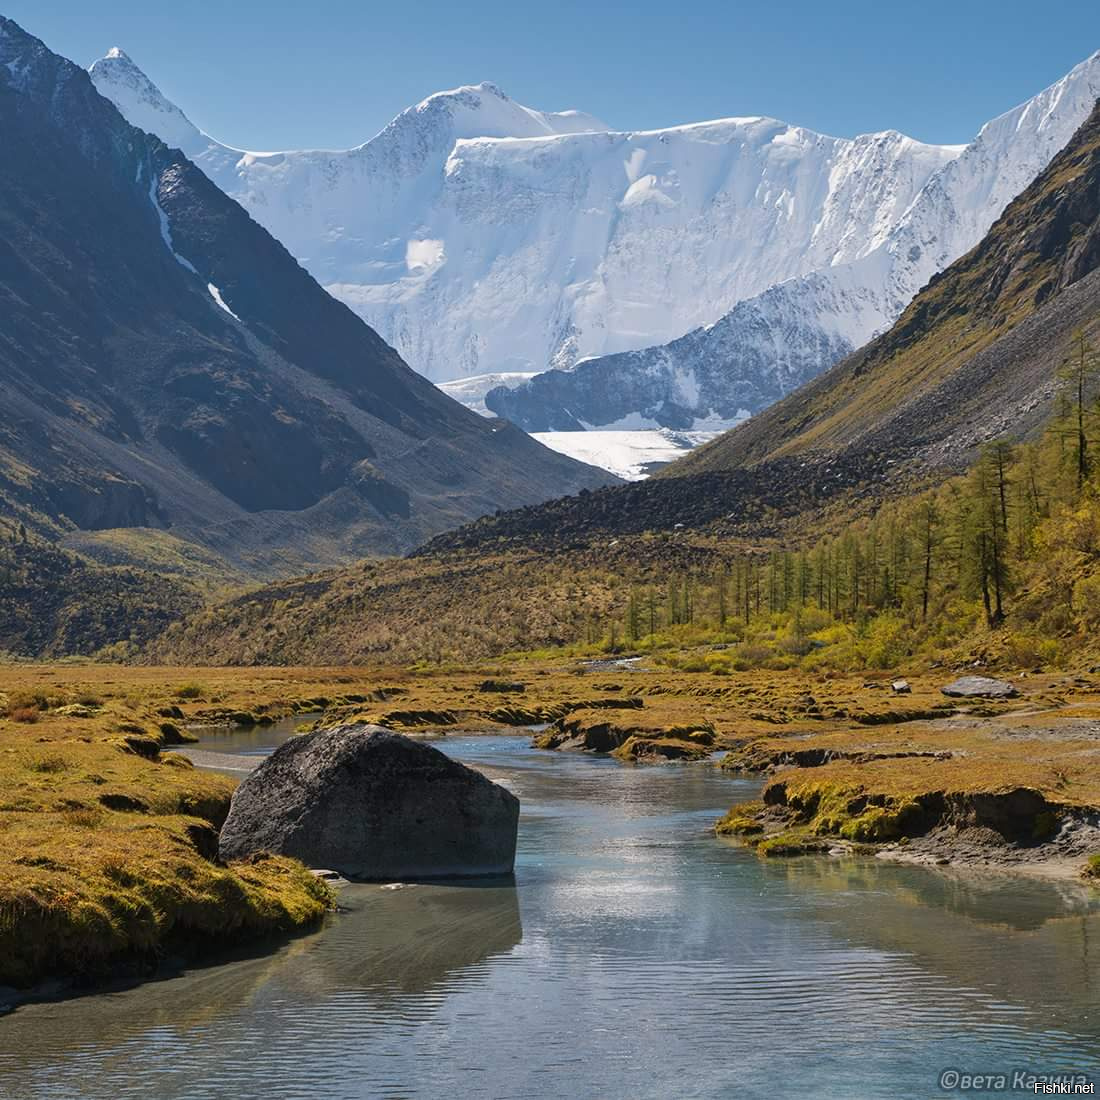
[(167, 365), (479, 607)]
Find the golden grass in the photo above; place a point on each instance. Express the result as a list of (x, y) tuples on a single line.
[(87, 890), (1018, 767), (107, 837), (108, 845)]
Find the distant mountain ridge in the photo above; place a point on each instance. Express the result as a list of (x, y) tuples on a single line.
[(478, 236), (768, 345), (683, 278), (973, 358), (976, 354), (165, 363)]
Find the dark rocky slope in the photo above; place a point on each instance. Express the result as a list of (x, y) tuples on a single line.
[(747, 360), (272, 426)]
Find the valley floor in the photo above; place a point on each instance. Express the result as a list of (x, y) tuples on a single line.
[(109, 854)]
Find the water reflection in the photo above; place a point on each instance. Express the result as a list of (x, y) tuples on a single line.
[(636, 956), (409, 940)]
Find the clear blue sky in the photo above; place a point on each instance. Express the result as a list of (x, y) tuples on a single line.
[(331, 73)]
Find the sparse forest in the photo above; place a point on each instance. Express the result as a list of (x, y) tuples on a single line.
[(1011, 546)]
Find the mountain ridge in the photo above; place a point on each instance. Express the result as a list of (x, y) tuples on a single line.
[(968, 322), (974, 358), (167, 364), (460, 260), (770, 344)]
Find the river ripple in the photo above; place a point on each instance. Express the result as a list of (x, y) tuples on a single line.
[(636, 956)]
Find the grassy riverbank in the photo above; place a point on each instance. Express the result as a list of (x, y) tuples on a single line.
[(110, 838)]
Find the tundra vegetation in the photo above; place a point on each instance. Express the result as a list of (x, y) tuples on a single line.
[(109, 859)]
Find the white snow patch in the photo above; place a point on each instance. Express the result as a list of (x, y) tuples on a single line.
[(632, 422), (165, 229), (632, 455), (646, 189), (424, 256), (216, 294), (633, 165), (704, 427)]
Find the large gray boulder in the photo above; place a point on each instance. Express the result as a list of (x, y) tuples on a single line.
[(373, 805), (980, 687)]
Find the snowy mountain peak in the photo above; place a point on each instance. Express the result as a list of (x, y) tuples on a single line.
[(141, 102), (769, 343), (480, 236), (484, 110), (489, 88)]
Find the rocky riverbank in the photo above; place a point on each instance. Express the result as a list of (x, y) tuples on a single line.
[(932, 768), (1013, 786)]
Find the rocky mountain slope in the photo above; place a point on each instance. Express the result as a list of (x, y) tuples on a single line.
[(768, 345), (479, 236), (712, 378), (165, 363)]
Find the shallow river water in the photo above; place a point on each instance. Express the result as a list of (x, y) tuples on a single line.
[(635, 956)]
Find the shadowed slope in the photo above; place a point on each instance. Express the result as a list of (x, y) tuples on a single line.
[(166, 363)]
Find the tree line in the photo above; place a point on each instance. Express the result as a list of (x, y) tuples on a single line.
[(971, 538)]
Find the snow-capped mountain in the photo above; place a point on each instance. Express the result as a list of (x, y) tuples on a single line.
[(165, 363), (768, 345), (479, 236), (486, 240)]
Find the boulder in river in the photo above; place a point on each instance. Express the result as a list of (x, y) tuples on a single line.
[(980, 687), (374, 805)]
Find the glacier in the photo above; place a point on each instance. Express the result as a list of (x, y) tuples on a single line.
[(479, 236), (545, 267)]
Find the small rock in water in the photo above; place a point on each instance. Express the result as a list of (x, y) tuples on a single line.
[(980, 687), (901, 687), (373, 805)]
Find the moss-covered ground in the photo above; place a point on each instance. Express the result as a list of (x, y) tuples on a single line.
[(108, 854), (108, 839)]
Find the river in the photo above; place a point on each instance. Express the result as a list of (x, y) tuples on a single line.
[(636, 955)]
